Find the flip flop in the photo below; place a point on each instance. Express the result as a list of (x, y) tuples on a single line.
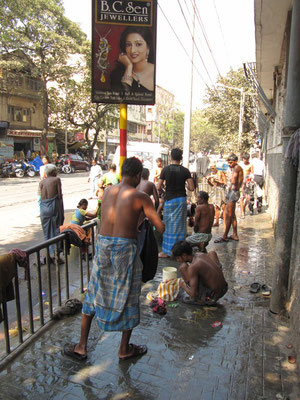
[(221, 240), (231, 238), (163, 255), (255, 287), (265, 290), (137, 351), (69, 351)]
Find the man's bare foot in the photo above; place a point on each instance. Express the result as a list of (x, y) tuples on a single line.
[(134, 351), (75, 351), (234, 237), (163, 255), (216, 224)]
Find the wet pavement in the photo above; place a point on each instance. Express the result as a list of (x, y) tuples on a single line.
[(245, 357)]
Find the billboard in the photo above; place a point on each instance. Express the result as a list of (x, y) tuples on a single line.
[(123, 51)]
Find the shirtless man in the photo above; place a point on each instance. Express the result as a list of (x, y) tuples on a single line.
[(115, 284), (232, 197), (202, 276), (218, 181), (247, 170), (148, 187), (204, 219)]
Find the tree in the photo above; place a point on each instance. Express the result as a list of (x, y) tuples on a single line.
[(204, 136), (39, 30), (223, 111), (71, 104)]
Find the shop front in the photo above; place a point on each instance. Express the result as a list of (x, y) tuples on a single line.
[(25, 141)]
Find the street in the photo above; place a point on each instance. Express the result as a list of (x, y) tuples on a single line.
[(21, 226)]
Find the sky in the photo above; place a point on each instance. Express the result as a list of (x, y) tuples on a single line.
[(224, 38)]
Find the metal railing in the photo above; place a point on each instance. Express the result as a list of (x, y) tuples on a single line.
[(44, 287)]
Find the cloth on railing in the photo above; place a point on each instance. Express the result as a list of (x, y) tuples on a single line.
[(22, 260), (76, 235), (292, 150), (8, 271)]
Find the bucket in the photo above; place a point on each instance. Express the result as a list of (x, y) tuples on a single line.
[(169, 273)]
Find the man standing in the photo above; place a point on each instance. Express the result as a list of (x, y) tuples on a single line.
[(175, 207), (218, 181), (148, 187), (202, 276), (204, 219), (247, 168), (95, 173), (115, 284), (232, 197), (259, 179)]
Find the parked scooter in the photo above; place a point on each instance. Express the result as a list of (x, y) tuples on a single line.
[(25, 168), (8, 169)]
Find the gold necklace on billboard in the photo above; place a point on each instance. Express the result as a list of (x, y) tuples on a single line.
[(102, 55)]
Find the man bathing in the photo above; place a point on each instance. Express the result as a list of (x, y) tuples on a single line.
[(202, 276), (204, 219), (115, 284)]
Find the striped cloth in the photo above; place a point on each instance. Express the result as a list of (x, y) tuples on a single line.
[(115, 284), (175, 212), (167, 291)]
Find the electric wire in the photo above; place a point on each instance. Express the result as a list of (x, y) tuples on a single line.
[(222, 34), (193, 38), (183, 47)]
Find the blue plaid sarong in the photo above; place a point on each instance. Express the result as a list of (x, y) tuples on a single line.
[(115, 284), (175, 213)]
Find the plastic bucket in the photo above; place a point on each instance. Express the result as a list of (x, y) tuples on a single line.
[(169, 273)]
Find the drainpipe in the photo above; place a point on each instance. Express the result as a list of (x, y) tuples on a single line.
[(287, 194)]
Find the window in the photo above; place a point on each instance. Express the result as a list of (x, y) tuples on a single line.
[(18, 114)]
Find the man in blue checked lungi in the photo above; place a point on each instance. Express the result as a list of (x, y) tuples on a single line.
[(115, 284), (175, 177)]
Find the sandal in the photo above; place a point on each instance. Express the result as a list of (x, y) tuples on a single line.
[(137, 351), (221, 240), (255, 287), (265, 290), (69, 350), (232, 238)]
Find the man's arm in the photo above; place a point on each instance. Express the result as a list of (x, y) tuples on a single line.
[(59, 190), (192, 289), (151, 214), (234, 179), (155, 196), (190, 184), (160, 183)]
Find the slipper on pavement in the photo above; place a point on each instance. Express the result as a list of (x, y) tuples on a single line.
[(265, 290), (221, 240), (69, 350), (137, 351), (232, 238), (255, 287)]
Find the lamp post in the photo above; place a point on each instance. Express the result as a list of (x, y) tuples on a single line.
[(242, 101)]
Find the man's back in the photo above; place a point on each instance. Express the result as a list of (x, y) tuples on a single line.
[(204, 218), (208, 272), (149, 188)]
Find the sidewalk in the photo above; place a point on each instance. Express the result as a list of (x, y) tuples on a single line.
[(245, 358)]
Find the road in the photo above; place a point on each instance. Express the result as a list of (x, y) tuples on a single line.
[(20, 224)]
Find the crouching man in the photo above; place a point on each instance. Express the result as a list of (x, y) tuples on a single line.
[(202, 276)]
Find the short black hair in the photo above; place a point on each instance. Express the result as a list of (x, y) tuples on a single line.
[(159, 159), (181, 247), (113, 167), (82, 201), (131, 167), (204, 195), (176, 154), (145, 173), (232, 157), (246, 156)]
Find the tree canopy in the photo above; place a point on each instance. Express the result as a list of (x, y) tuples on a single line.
[(222, 110)]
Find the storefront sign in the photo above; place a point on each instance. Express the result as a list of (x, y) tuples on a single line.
[(24, 133), (124, 51), (79, 137)]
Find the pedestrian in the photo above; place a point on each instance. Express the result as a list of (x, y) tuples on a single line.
[(95, 174), (218, 181), (110, 178), (45, 161), (201, 275), (51, 206), (157, 172), (115, 284), (247, 168), (259, 179), (232, 198), (148, 187), (175, 177), (203, 222), (81, 214)]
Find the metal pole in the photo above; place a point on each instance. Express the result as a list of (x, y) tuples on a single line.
[(241, 117), (188, 112), (123, 133)]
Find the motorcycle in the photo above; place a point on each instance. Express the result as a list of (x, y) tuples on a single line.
[(8, 169), (25, 168), (62, 166)]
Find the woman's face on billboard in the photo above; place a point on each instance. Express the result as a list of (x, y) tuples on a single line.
[(136, 48)]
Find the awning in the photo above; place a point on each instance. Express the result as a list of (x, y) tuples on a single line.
[(24, 133), (78, 145)]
